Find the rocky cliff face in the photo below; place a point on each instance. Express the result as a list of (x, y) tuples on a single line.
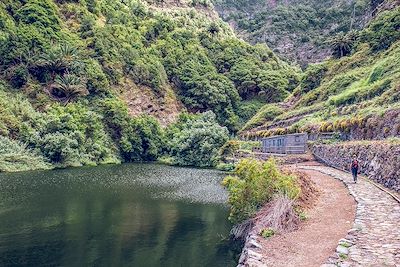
[(296, 29), (380, 161)]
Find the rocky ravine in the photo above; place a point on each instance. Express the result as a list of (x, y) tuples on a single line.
[(295, 29)]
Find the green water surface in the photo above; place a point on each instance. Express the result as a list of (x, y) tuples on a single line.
[(117, 215)]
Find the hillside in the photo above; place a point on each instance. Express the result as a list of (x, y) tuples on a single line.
[(79, 80), (297, 30), (357, 95)]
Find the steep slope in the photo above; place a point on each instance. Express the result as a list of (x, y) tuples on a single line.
[(357, 95), (296, 29), (79, 78)]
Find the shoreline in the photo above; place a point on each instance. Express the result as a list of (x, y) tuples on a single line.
[(159, 162)]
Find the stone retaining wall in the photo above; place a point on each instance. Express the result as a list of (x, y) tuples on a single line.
[(376, 127), (252, 255), (379, 160)]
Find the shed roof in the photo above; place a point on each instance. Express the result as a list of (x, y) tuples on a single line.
[(285, 135)]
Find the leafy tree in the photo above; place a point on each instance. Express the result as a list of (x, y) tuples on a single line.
[(138, 138), (72, 135), (312, 77), (62, 148), (203, 89), (197, 141), (273, 88)]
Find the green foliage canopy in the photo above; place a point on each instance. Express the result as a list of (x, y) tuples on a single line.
[(196, 140)]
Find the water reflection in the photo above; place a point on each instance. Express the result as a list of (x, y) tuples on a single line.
[(127, 215)]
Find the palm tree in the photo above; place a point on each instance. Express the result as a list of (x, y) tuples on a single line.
[(67, 87), (342, 43), (59, 59), (213, 29)]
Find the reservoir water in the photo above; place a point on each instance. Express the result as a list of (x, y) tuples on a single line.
[(114, 215)]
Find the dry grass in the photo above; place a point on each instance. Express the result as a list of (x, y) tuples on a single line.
[(279, 214), (242, 230)]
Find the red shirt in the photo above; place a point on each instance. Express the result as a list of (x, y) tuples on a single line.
[(354, 164)]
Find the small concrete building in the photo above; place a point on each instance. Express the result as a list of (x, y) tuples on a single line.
[(285, 144)]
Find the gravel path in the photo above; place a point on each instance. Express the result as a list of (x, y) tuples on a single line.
[(374, 239)]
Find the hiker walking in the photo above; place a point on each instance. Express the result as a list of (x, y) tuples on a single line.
[(354, 168)]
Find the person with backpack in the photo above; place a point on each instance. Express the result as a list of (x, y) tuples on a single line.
[(354, 168)]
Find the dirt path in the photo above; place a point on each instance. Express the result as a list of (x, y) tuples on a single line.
[(375, 238), (316, 240)]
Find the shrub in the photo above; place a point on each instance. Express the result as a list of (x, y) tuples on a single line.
[(41, 13), (150, 72), (312, 77), (18, 75), (97, 82), (229, 148), (227, 167), (249, 145), (203, 89), (72, 135), (15, 156), (142, 139), (267, 232), (265, 114), (62, 148), (248, 109), (198, 140), (16, 113), (253, 184), (139, 138), (383, 31)]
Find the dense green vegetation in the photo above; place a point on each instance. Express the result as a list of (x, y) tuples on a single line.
[(15, 156), (358, 91), (195, 140), (253, 184), (64, 66), (296, 30)]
